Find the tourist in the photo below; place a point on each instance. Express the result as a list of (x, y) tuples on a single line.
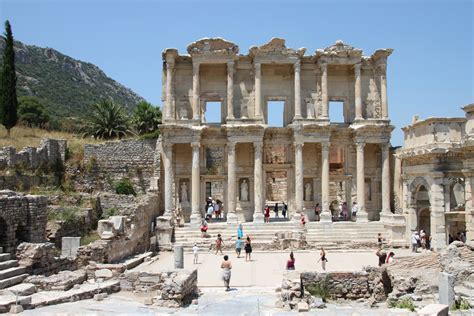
[(275, 210), (450, 239), (290, 264), (219, 244), (380, 240), (344, 213), (303, 220), (322, 258), (382, 256), (423, 239), (204, 228), (195, 253), (226, 266), (210, 210), (317, 211), (390, 258), (217, 209), (415, 238), (354, 210), (248, 249), (284, 209), (240, 231), (238, 246), (267, 214)]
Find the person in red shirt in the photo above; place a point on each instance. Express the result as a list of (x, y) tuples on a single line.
[(290, 264), (267, 214)]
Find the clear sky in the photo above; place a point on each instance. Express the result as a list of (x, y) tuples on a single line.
[(430, 72)]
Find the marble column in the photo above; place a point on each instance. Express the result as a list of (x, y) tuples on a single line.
[(469, 207), (383, 91), (195, 185), (297, 67), (324, 91), (169, 87), (437, 213), (385, 179), (362, 215), (168, 169), (357, 93), (325, 213), (258, 183), (258, 96), (231, 181), (196, 93), (230, 90), (298, 181)]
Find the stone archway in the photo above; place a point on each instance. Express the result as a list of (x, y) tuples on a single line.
[(424, 220)]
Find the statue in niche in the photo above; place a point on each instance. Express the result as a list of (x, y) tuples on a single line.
[(244, 190), (307, 192), (373, 99), (184, 192), (458, 193), (309, 108)]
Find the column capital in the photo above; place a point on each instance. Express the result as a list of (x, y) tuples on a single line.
[(170, 62), (258, 145), (167, 146), (231, 146), (297, 65), (298, 145), (257, 66), (325, 146), (230, 66), (357, 68), (360, 146), (385, 146), (196, 66), (323, 66), (196, 144)]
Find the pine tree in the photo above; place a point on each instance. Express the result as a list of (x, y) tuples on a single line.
[(8, 99)]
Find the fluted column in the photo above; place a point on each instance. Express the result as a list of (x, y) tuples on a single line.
[(383, 91), (230, 90), (196, 105), (196, 185), (258, 184), (297, 66), (362, 215), (385, 178), (357, 93), (298, 181), (169, 87), (258, 96), (325, 214), (324, 90), (231, 195), (168, 169)]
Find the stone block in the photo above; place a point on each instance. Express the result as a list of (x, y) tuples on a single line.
[(106, 229), (302, 307), (16, 309), (446, 288), (104, 273), (434, 310), (69, 246), (119, 223), (23, 289)]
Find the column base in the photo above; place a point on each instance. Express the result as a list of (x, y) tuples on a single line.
[(296, 217), (325, 217), (232, 218), (258, 218), (362, 217), (195, 219)]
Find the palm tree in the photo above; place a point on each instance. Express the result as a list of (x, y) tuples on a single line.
[(107, 120), (146, 118)]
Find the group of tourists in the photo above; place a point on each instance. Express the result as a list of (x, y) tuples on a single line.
[(460, 236), (276, 210), (420, 240), (213, 208)]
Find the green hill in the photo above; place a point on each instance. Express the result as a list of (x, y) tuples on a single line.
[(65, 85)]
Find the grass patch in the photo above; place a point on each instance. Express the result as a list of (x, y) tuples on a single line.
[(89, 238), (404, 303), (112, 211), (319, 289), (68, 214), (463, 304)]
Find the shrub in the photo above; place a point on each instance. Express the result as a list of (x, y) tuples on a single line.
[(89, 238), (405, 303), (110, 212), (124, 186), (319, 289)]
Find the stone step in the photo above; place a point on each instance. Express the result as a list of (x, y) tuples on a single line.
[(4, 257), (12, 281), (8, 264), (11, 272)]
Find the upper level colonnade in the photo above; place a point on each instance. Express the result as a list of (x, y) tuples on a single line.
[(214, 71)]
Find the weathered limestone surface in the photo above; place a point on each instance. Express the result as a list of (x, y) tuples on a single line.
[(62, 281)]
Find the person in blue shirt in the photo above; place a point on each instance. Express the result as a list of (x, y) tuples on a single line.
[(238, 246), (240, 231)]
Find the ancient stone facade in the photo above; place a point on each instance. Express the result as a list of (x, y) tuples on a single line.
[(246, 164), (23, 218), (437, 176)]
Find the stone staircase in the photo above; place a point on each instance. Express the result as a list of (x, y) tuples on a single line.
[(331, 236), (10, 273)]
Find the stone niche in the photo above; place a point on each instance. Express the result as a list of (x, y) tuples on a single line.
[(184, 191), (276, 186), (245, 203)]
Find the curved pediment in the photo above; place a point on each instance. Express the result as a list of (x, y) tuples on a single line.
[(212, 46), (276, 47)]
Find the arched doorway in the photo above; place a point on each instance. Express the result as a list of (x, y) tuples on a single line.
[(424, 220), (3, 234), (423, 209)]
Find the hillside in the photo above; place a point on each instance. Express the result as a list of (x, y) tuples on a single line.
[(66, 86)]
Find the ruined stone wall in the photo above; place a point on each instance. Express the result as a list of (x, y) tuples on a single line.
[(134, 159), (23, 218)]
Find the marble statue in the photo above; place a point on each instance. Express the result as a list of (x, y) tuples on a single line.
[(244, 190), (307, 192), (184, 192)]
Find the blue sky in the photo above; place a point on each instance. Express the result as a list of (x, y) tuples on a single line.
[(430, 72)]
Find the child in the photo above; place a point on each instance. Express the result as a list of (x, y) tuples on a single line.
[(219, 244), (238, 246), (195, 253)]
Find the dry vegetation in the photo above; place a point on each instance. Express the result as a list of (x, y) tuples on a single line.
[(22, 137)]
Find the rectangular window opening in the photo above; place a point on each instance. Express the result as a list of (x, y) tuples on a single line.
[(336, 111), (213, 112), (276, 111)]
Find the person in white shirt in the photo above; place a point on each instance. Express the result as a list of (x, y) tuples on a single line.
[(195, 253), (415, 238), (354, 210)]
